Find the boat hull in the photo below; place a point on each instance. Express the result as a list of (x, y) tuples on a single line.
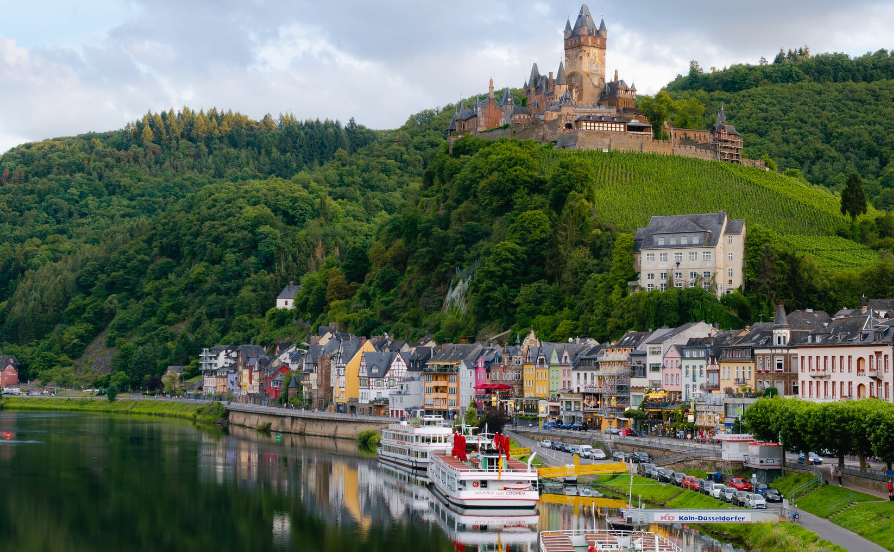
[(499, 499)]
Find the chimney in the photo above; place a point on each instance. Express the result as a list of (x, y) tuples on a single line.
[(616, 75)]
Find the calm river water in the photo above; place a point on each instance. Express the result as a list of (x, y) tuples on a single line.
[(93, 483)]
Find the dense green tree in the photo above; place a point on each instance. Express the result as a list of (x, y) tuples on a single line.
[(853, 197)]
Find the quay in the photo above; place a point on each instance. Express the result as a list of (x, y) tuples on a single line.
[(305, 422)]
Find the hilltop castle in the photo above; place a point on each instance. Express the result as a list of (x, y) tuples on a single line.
[(577, 108)]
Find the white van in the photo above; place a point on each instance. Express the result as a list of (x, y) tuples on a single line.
[(586, 451)]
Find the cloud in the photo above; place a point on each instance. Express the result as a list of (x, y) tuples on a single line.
[(378, 62)]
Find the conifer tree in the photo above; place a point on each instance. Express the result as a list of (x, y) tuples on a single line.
[(853, 197)]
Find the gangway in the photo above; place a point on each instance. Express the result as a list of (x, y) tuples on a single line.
[(588, 469)]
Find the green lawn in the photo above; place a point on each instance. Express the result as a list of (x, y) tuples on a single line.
[(817, 502), (774, 537), (209, 412), (873, 521), (692, 499), (785, 484)]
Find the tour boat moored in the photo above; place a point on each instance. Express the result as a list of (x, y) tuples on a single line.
[(604, 541), (489, 479), (411, 444)]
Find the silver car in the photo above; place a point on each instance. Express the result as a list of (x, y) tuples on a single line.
[(728, 494)]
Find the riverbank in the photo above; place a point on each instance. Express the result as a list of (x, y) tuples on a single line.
[(754, 537), (212, 412)]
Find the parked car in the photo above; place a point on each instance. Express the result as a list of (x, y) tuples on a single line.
[(647, 470), (698, 485), (754, 500), (558, 445), (549, 425), (611, 431), (575, 426), (665, 475), (728, 494), (740, 484), (546, 443), (584, 427), (739, 498), (716, 490), (772, 495), (642, 457), (585, 451), (812, 458), (598, 454), (761, 489), (677, 478), (686, 482), (627, 432), (574, 449)]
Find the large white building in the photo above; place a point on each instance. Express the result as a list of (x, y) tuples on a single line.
[(706, 250)]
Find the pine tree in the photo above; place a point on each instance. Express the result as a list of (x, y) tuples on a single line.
[(853, 197)]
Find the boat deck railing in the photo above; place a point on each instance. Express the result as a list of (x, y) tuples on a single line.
[(512, 466), (605, 541)]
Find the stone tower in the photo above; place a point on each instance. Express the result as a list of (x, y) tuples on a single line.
[(585, 57)]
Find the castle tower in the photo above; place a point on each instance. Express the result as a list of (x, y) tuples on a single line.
[(585, 58), (561, 84)]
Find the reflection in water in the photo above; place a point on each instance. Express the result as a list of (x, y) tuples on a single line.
[(104, 483)]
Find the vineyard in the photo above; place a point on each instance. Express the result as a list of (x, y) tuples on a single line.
[(833, 252), (631, 187)]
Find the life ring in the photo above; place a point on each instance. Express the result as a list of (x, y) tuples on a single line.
[(475, 484)]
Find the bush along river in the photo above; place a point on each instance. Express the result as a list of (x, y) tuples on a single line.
[(78, 482)]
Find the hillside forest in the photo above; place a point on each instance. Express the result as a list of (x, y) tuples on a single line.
[(128, 251)]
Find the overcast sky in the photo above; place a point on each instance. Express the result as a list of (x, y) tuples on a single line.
[(73, 66)]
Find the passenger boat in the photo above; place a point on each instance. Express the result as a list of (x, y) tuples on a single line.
[(487, 529), (410, 445), (489, 479), (605, 541)]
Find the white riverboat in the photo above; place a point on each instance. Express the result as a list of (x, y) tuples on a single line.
[(484, 480), (411, 444), (605, 541)]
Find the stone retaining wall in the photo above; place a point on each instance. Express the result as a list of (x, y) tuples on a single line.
[(307, 425)]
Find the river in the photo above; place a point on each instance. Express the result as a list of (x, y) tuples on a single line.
[(97, 483)]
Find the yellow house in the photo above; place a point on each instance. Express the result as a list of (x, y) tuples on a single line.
[(532, 383), (737, 364), (347, 391)]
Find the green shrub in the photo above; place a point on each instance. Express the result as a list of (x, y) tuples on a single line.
[(263, 427), (369, 438), (211, 412)]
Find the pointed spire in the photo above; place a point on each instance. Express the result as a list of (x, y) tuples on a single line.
[(507, 98), (568, 25), (633, 87), (560, 76), (535, 75), (602, 26), (781, 319)]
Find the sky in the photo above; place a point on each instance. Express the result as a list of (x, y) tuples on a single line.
[(74, 66)]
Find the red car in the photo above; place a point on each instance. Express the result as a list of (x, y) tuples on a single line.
[(687, 481), (627, 432), (740, 484)]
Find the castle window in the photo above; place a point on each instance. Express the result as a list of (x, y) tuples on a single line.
[(660, 241), (678, 257), (706, 255), (693, 255), (662, 257)]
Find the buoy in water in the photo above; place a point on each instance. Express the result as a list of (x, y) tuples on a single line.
[(7, 436)]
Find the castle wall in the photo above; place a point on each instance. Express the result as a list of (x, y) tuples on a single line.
[(622, 141)]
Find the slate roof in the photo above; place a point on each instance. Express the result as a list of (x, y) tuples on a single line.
[(808, 319), (632, 339), (507, 98), (856, 330), (601, 119), (289, 292), (584, 23), (721, 124), (707, 225), (452, 353), (657, 337), (560, 76), (377, 364)]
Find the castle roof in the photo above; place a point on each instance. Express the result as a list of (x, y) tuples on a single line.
[(507, 98), (560, 76), (709, 226), (584, 25), (535, 75), (720, 123)]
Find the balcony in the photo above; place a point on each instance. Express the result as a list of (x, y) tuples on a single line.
[(615, 357), (873, 373), (820, 373)]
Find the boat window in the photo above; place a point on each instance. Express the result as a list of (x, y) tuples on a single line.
[(483, 484)]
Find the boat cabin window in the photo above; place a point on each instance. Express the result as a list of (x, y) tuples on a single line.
[(483, 484)]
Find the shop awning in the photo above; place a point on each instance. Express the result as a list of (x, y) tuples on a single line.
[(493, 387)]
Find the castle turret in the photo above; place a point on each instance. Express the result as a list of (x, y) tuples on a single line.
[(567, 28), (585, 58), (561, 85)]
